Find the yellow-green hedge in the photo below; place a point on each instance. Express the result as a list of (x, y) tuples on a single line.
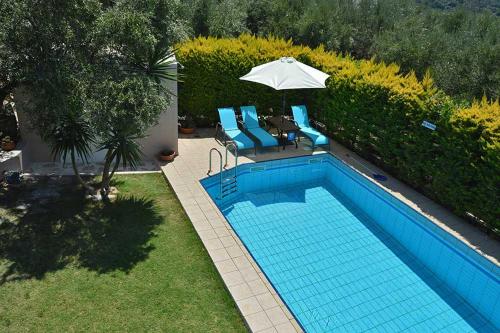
[(367, 106)]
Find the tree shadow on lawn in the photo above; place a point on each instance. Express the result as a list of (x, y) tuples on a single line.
[(71, 229)]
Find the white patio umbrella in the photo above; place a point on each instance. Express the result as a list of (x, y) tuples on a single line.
[(287, 73)]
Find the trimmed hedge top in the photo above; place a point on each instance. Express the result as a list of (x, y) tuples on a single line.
[(370, 107)]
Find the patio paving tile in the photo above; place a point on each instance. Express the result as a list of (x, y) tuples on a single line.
[(219, 255), (258, 287), (226, 266), (249, 306), (208, 234), (213, 244), (242, 262), (267, 301), (277, 316), (269, 330), (249, 274), (228, 241), (286, 328), (240, 291), (233, 278), (235, 251), (258, 321)]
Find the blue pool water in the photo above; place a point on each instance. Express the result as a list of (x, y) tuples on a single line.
[(346, 256)]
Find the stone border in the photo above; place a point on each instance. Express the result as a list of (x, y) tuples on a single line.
[(260, 305)]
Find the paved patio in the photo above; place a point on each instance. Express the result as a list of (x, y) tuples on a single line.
[(257, 300)]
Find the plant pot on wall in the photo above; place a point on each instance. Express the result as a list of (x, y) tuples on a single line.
[(186, 130), (167, 155), (8, 144), (186, 124)]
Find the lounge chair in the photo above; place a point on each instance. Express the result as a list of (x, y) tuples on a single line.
[(302, 121), (228, 127), (251, 124)]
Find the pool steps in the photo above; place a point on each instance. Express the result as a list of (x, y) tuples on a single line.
[(228, 185)]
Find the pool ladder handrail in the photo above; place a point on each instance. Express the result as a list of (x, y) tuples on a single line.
[(232, 144), (230, 185)]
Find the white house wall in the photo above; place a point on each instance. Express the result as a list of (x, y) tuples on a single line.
[(161, 136)]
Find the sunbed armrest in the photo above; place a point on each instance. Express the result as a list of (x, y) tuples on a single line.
[(241, 124), (318, 124), (262, 122)]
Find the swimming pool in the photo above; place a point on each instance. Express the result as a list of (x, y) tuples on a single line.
[(345, 255)]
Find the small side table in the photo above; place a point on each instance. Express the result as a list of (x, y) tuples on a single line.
[(284, 126)]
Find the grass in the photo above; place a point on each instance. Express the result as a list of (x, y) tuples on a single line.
[(135, 265)]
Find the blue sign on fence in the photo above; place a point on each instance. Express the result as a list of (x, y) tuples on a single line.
[(429, 125)]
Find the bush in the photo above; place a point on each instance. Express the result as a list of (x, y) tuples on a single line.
[(369, 107)]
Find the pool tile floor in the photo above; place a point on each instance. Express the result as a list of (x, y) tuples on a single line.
[(326, 258)]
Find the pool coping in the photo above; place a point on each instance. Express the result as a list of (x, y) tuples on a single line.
[(257, 300)]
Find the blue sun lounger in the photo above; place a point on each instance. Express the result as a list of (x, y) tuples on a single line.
[(302, 121), (230, 130), (251, 124)]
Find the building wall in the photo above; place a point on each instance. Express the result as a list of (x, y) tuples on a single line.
[(161, 136)]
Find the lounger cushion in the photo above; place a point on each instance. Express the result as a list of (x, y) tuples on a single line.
[(300, 115), (266, 139), (241, 140), (251, 121), (301, 118), (249, 115), (228, 119), (316, 137)]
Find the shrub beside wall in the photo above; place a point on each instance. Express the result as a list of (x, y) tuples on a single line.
[(370, 108)]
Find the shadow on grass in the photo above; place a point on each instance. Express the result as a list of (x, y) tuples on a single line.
[(119, 237), (69, 229)]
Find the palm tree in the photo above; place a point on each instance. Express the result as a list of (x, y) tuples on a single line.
[(122, 147), (120, 141), (72, 135)]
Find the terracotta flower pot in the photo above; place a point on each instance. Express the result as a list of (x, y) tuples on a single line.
[(168, 158), (188, 130), (8, 146)]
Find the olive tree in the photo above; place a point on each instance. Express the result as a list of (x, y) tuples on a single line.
[(95, 70)]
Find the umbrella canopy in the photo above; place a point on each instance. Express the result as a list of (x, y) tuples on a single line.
[(287, 73)]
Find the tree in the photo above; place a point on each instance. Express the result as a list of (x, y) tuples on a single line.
[(94, 69), (72, 135), (42, 47), (228, 18)]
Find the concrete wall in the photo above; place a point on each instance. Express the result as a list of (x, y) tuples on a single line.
[(164, 135), (161, 136)]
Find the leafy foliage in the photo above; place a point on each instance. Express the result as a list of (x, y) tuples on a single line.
[(72, 134), (369, 107), (462, 50), (91, 65), (460, 45), (477, 5)]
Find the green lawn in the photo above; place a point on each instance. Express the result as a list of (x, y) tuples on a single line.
[(135, 265)]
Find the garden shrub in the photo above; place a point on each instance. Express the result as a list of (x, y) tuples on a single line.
[(369, 107)]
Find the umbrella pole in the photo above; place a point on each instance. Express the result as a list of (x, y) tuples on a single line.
[(284, 105)]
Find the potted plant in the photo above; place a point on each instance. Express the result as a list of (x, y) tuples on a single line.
[(8, 144), (167, 155), (186, 124)]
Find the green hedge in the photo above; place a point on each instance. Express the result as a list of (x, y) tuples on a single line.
[(370, 108)]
